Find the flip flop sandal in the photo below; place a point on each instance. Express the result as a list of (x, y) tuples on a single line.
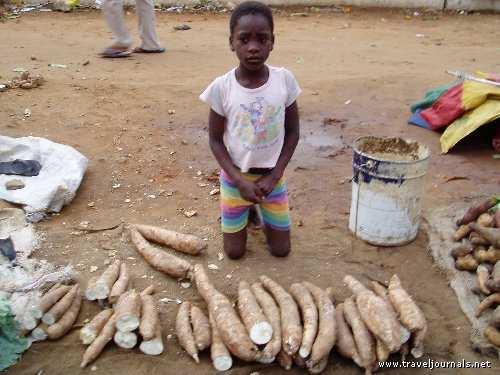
[(111, 53), (142, 50)]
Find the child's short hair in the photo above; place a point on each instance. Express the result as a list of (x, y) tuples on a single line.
[(251, 7)]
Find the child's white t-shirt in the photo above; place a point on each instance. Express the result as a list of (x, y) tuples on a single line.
[(255, 118)]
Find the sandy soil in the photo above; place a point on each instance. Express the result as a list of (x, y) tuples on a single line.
[(116, 112)]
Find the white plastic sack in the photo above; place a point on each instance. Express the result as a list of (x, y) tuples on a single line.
[(62, 171)]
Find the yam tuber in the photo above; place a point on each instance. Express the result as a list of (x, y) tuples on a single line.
[(272, 313), (257, 325), (58, 310), (50, 298), (477, 209), (63, 325), (495, 319), (185, 332), (185, 243), (201, 328), (345, 341), (159, 259), (231, 329), (493, 299), (90, 292), (461, 251), (485, 220), (128, 311), (149, 317), (96, 347), (105, 282), (378, 316), (155, 345), (125, 340), (221, 358), (362, 337), (309, 317), (325, 340), (91, 330), (496, 217), (121, 284), (466, 263), (291, 327), (493, 335), (285, 360), (478, 240), (491, 255), (462, 232), (491, 234), (483, 274), (409, 313)]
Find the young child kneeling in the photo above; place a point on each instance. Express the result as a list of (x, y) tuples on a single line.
[(253, 131)]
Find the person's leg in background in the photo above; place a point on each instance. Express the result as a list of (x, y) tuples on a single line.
[(146, 14), (113, 13)]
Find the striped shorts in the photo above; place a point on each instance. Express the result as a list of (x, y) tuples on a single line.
[(235, 209)]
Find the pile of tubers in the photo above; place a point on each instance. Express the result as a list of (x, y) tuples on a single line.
[(58, 310), (133, 313), (479, 252), (301, 326)]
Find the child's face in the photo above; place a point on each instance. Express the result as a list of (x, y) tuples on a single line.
[(252, 40)]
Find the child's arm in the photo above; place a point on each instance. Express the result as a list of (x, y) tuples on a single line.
[(292, 133), (248, 190)]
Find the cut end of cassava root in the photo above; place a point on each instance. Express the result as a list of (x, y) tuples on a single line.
[(223, 363), (127, 323), (125, 340), (261, 333)]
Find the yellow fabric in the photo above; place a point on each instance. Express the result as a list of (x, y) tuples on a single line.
[(474, 94), (469, 122)]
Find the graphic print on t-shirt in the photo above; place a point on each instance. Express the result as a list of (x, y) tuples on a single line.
[(257, 124)]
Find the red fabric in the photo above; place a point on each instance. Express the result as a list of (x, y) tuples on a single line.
[(495, 142), (446, 109)]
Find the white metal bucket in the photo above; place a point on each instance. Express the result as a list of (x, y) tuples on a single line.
[(387, 189)]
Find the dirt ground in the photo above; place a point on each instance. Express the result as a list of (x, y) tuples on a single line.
[(363, 68)]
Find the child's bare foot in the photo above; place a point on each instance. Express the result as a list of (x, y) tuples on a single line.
[(255, 218)]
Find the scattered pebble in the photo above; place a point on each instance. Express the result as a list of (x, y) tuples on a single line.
[(347, 102), (127, 200), (189, 213), (229, 276), (215, 191), (84, 224), (202, 184), (91, 204), (93, 268), (220, 256), (185, 284), (14, 184), (171, 300), (182, 27), (93, 368), (213, 267), (86, 321), (171, 111), (27, 113), (116, 186), (86, 62)]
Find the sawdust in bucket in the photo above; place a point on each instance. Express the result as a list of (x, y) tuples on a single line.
[(393, 149)]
